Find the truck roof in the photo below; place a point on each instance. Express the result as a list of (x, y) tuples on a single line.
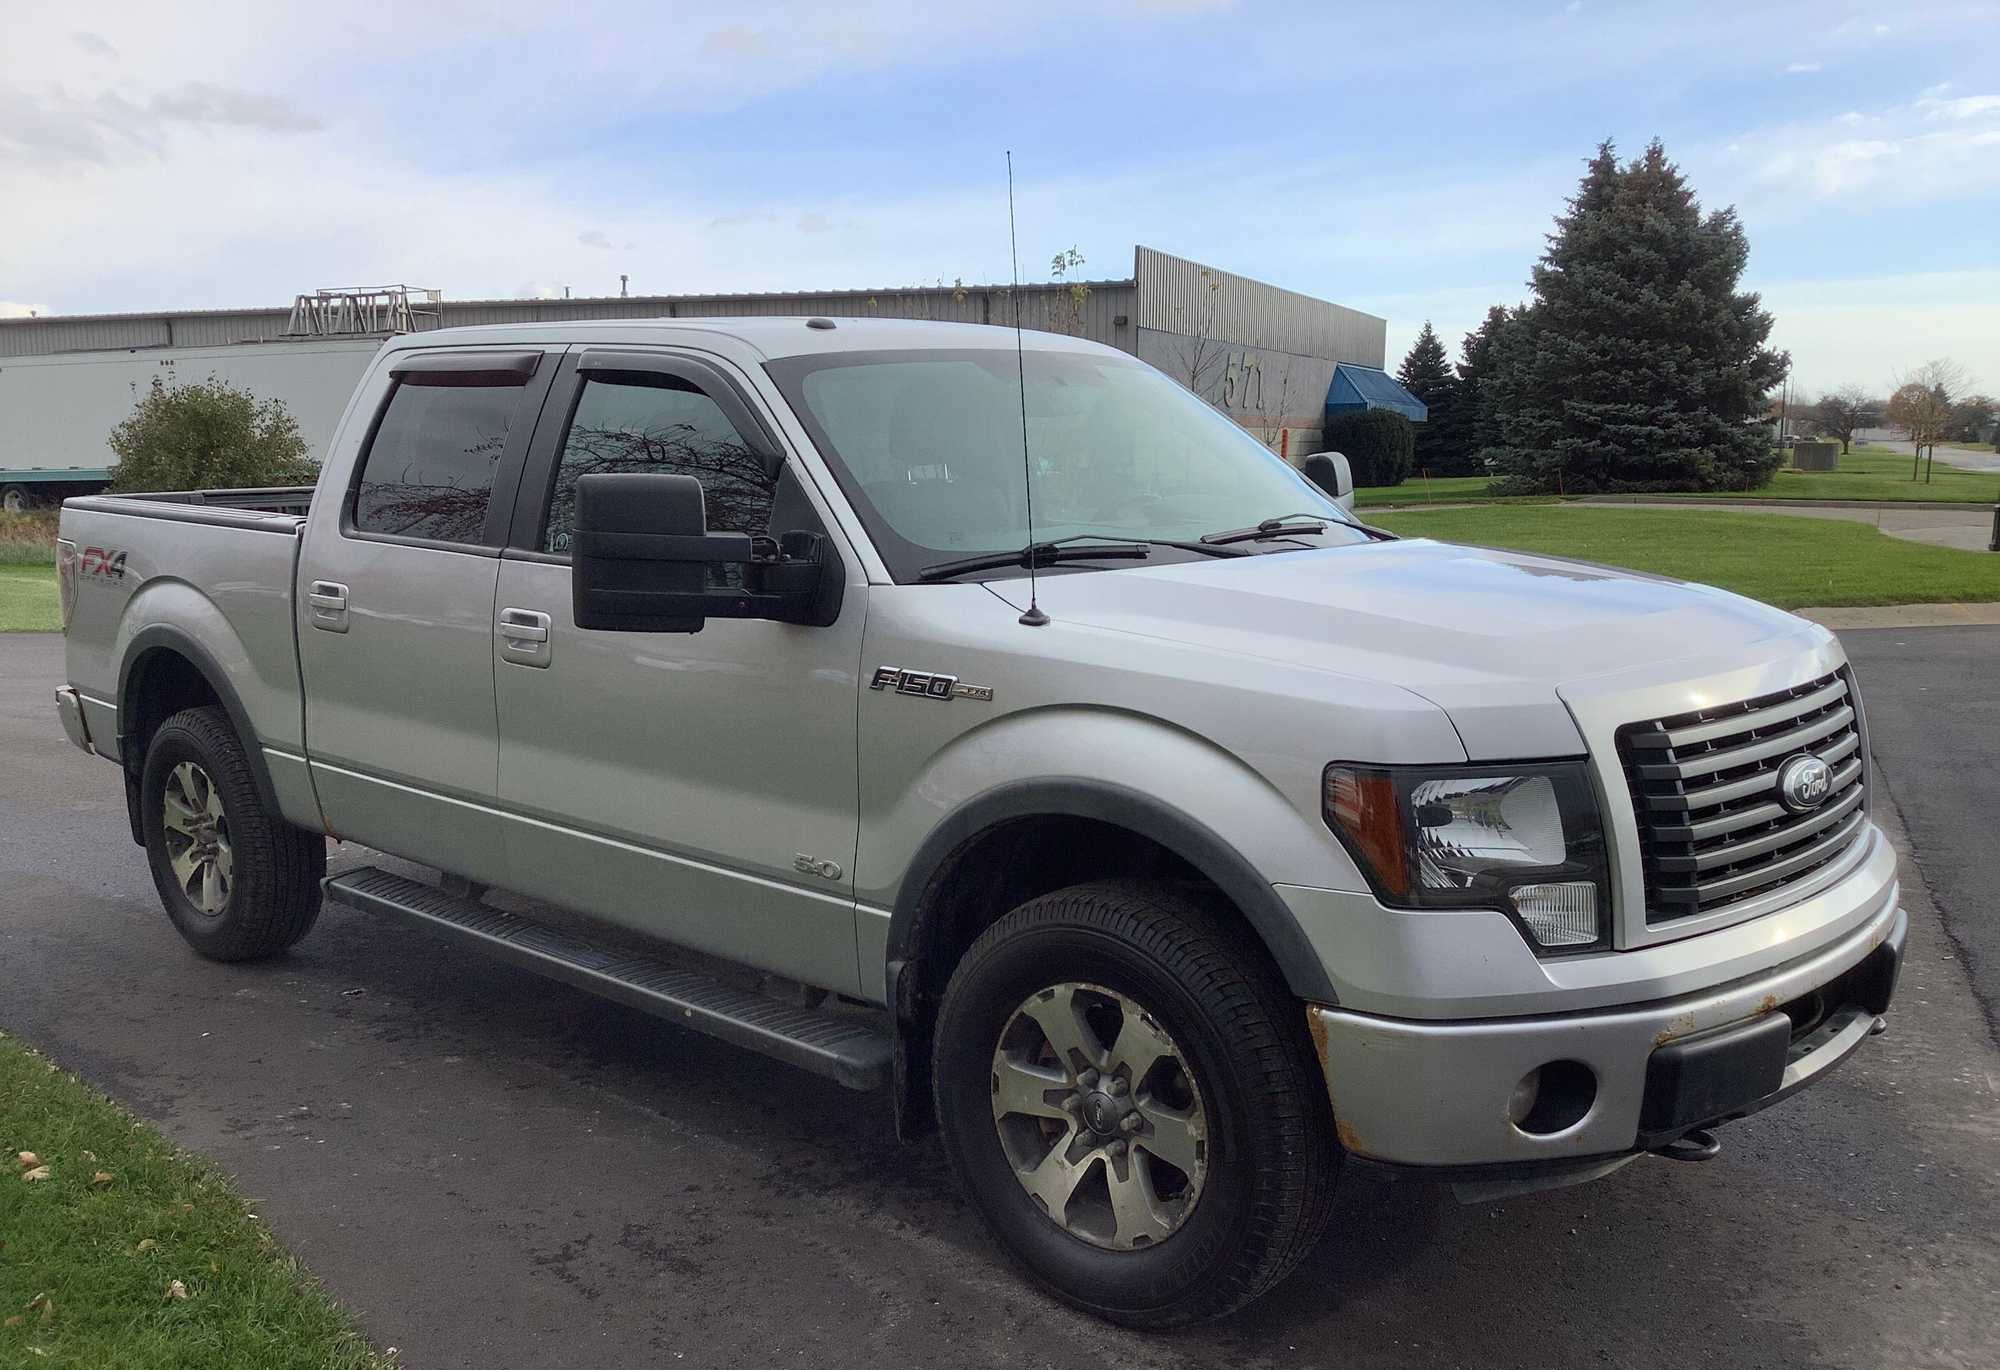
[(769, 337)]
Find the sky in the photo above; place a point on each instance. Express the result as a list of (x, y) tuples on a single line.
[(1404, 159)]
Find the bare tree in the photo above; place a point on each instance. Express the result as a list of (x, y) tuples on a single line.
[(1922, 403), (1841, 412), (1200, 357)]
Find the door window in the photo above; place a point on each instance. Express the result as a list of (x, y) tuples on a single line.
[(429, 471), (660, 424)]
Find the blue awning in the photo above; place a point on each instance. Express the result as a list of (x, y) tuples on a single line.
[(1364, 387)]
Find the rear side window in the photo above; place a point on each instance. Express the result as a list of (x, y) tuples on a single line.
[(429, 472), (662, 424)]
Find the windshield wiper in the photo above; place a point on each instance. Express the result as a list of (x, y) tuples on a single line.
[(1292, 525), (1037, 555), (1282, 526)]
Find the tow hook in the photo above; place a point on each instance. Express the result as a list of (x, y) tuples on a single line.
[(1698, 1144)]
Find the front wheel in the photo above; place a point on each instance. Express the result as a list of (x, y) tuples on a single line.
[(1124, 1088), (238, 881)]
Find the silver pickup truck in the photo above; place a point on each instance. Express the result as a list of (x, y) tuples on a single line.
[(1163, 851)]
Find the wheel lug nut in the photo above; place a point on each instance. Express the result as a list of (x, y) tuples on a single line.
[(1088, 1079), (1129, 1123), (1117, 1085), (1118, 1148)]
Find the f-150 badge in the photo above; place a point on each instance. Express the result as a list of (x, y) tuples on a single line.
[(926, 684)]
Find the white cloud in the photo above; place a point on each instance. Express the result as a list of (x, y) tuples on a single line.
[(1926, 147), (94, 44), (1801, 68), (1965, 107)]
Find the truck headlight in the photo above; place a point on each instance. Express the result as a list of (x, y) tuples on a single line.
[(1525, 840)]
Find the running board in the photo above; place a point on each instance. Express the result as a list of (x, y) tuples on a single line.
[(837, 1047)]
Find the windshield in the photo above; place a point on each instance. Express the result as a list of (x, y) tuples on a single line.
[(927, 446)]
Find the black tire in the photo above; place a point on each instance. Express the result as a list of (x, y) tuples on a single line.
[(1267, 1190), (273, 895)]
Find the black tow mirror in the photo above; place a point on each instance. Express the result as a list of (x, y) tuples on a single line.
[(1331, 473), (641, 552)]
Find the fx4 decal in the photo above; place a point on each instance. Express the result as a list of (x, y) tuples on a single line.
[(926, 684), (102, 562)]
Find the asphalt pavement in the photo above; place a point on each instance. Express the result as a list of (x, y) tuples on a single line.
[(492, 1170)]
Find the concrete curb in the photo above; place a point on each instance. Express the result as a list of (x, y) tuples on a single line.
[(1904, 615)]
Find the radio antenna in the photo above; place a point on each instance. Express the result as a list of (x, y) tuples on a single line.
[(1034, 617)]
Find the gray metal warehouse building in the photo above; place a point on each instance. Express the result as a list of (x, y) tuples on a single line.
[(1264, 355)]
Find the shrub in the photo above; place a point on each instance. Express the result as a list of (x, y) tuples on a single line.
[(1379, 444), (28, 539), (208, 435)]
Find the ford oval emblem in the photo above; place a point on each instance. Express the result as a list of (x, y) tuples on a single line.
[(1803, 783)]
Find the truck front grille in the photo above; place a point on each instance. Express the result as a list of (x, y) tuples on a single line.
[(1704, 785)]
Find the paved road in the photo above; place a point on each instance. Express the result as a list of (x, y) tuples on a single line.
[(1933, 698), (1967, 527), (1964, 458), (492, 1170)]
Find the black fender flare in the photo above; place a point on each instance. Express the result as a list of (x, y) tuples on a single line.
[(1082, 797), (165, 637)]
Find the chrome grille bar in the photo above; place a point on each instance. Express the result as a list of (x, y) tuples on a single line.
[(1712, 828)]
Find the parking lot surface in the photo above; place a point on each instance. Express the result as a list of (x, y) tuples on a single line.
[(494, 1170)]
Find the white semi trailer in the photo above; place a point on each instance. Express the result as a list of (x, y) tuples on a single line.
[(57, 411)]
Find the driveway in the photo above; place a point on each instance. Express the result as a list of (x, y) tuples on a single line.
[(492, 1170)]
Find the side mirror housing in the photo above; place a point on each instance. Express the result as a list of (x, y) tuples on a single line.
[(1331, 473), (641, 552)]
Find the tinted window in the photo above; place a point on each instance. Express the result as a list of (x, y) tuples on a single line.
[(662, 424), (429, 472)]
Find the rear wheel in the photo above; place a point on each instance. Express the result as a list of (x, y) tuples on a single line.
[(15, 499), (238, 881), (1123, 1086)]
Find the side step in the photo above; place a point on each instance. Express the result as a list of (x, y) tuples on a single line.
[(839, 1048)]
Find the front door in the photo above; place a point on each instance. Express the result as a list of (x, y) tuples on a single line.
[(695, 786), (395, 615)]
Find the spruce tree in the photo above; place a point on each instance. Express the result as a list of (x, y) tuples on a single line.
[(1477, 361), (1638, 364), (1426, 373)]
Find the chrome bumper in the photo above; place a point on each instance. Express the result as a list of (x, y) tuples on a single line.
[(70, 707), (1443, 1094)]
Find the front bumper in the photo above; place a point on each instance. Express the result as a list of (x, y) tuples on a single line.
[(70, 706), (1444, 1094)]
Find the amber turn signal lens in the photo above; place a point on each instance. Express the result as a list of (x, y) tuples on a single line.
[(1362, 804)]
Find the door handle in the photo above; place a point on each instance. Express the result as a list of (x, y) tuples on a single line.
[(524, 637), (327, 600)]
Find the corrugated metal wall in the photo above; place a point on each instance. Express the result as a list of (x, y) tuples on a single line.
[(1051, 308), (1187, 298)]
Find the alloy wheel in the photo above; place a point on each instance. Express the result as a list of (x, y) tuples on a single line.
[(197, 837), (1100, 1116)]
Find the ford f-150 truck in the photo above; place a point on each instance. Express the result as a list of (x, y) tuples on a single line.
[(991, 722)]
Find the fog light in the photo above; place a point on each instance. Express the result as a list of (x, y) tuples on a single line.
[(1559, 915), (1558, 1095)]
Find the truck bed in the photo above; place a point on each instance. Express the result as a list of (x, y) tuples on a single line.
[(213, 570)]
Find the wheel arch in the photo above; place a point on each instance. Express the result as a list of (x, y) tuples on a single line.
[(1129, 832), (163, 671)]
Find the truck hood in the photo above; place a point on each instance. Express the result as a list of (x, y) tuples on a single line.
[(1497, 639)]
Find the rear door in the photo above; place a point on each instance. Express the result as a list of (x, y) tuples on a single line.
[(696, 786), (396, 605)]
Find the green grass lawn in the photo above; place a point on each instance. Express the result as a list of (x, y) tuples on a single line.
[(92, 1252), (1417, 490), (1866, 473), (28, 600), (1783, 560), (1876, 473)]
